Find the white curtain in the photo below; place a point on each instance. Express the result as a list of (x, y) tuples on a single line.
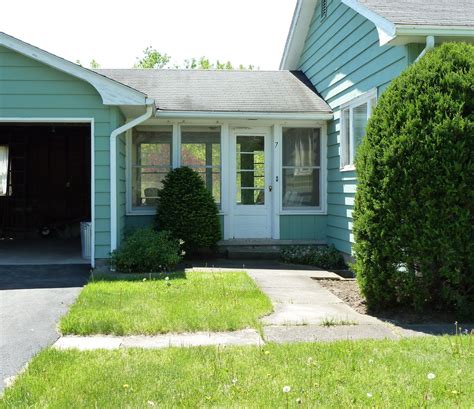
[(3, 169), (304, 154)]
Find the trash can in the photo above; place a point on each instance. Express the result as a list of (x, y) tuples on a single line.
[(86, 239)]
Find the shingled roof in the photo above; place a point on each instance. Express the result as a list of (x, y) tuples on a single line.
[(455, 13), (224, 90)]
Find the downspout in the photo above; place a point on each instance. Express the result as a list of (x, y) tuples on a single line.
[(150, 109), (430, 43)]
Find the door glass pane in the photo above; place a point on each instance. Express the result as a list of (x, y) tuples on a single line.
[(250, 175)]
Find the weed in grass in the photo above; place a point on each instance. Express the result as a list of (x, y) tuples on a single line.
[(286, 391), (462, 342), (332, 322)]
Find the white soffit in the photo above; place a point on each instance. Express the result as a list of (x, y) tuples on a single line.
[(386, 29), (299, 27)]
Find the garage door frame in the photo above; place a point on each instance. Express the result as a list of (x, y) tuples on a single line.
[(89, 121)]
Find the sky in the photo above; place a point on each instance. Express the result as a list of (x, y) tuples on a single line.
[(115, 32)]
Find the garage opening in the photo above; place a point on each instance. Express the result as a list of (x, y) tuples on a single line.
[(45, 193)]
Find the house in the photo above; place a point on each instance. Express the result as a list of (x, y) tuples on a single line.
[(350, 50), (275, 148)]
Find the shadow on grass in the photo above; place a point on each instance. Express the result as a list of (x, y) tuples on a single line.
[(114, 276)]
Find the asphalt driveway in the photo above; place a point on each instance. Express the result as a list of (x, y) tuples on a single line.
[(32, 299)]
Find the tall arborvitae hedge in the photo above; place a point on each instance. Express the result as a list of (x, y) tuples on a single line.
[(413, 218)]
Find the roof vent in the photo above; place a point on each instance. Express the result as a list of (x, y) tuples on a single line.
[(324, 8)]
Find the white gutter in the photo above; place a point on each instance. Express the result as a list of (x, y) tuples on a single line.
[(245, 115), (430, 43), (150, 108)]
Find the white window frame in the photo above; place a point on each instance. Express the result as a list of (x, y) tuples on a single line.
[(350, 106), (175, 162), (130, 210), (322, 209)]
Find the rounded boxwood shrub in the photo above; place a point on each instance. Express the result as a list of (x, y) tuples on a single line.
[(188, 210), (413, 217), (147, 251)]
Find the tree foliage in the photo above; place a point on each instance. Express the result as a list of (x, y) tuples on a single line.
[(187, 209), (414, 206), (152, 58), (94, 64)]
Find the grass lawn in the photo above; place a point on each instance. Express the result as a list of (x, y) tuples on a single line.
[(194, 302), (342, 374)]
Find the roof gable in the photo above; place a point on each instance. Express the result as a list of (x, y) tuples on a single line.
[(397, 22), (111, 92)]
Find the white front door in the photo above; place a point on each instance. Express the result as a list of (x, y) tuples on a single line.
[(251, 190)]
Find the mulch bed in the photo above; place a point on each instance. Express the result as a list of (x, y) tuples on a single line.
[(348, 291)]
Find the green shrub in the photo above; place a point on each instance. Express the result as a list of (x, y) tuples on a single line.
[(188, 210), (413, 218), (147, 251), (322, 257)]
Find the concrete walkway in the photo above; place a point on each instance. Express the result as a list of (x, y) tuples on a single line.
[(300, 300), (304, 311), (243, 337)]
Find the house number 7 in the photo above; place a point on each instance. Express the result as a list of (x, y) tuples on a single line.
[(276, 144)]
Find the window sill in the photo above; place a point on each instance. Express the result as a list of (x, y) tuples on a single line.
[(153, 213), (308, 212), (347, 168), (141, 213)]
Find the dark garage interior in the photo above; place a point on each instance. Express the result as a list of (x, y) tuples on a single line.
[(45, 191)]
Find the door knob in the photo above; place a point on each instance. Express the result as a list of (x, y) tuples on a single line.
[(270, 188)]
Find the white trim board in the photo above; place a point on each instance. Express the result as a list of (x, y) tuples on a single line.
[(111, 92), (91, 122), (299, 28), (315, 116), (385, 28)]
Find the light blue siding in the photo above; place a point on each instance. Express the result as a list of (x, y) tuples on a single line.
[(30, 89), (303, 227), (343, 59), (133, 222)]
